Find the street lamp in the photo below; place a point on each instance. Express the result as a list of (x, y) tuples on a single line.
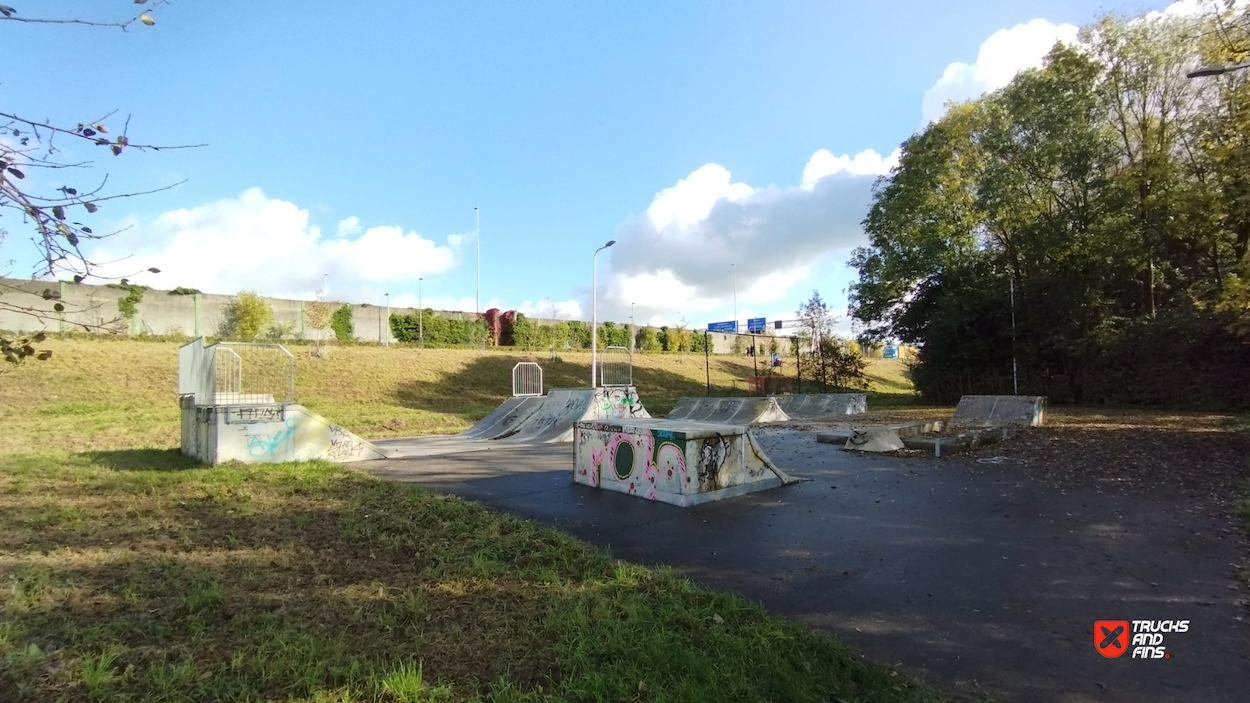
[(735, 266), (1216, 69), (386, 324), (420, 313), (477, 238), (594, 313)]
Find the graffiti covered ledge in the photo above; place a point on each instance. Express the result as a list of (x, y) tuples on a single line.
[(672, 461)]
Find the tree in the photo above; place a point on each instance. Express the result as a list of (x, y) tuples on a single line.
[(55, 214), (1082, 213), (318, 316), (246, 317)]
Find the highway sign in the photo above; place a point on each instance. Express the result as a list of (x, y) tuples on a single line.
[(731, 326), (755, 324)]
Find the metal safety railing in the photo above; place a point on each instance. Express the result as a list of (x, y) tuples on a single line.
[(527, 379), (616, 367)]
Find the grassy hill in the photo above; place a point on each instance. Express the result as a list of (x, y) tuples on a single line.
[(114, 394)]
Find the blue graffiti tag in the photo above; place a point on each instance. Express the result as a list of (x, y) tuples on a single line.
[(259, 445)]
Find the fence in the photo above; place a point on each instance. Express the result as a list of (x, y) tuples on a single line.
[(236, 373), (616, 367), (527, 379)]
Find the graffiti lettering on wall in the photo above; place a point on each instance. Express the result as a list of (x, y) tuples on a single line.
[(272, 444), (711, 458), (343, 447), (620, 402), (662, 460), (251, 414)]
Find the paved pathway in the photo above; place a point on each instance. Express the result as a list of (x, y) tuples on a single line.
[(983, 581)]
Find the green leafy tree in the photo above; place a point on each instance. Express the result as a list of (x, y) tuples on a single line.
[(246, 317)]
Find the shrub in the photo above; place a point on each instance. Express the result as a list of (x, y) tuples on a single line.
[(246, 317), (341, 323)]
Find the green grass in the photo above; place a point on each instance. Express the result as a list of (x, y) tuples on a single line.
[(129, 573), (312, 582)]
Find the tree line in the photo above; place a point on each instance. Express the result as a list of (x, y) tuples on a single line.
[(1081, 233)]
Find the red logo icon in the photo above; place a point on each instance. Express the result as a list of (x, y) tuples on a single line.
[(1111, 637)]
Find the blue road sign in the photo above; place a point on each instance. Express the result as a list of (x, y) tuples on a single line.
[(755, 324), (731, 326), (891, 352)]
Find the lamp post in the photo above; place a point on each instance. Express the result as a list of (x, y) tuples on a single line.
[(594, 314), (420, 313), (477, 238), (735, 267), (386, 324), (1216, 69)]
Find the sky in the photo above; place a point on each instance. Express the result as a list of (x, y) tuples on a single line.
[(729, 148)]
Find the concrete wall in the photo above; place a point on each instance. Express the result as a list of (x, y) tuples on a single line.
[(160, 313)]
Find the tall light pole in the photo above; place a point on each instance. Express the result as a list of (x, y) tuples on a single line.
[(735, 297), (594, 314), (420, 313), (477, 237), (386, 324)]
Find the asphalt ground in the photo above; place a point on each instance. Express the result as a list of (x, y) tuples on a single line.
[(974, 576)]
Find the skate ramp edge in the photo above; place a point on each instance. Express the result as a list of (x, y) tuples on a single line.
[(678, 462), (1000, 411), (729, 411), (562, 408), (810, 405), (506, 419), (269, 433)]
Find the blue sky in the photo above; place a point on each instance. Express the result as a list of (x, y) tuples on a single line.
[(354, 140)]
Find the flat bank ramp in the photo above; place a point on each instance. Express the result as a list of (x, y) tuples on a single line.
[(505, 419), (810, 405), (1000, 411), (562, 408), (728, 411)]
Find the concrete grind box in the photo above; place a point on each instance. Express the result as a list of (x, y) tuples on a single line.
[(270, 433), (681, 463)]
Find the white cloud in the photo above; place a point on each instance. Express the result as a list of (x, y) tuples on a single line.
[(349, 226), (678, 259), (551, 309), (865, 163), (266, 244), (1001, 57)]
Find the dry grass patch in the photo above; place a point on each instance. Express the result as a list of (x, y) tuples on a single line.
[(97, 394)]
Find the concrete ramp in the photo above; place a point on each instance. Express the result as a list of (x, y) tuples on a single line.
[(267, 433), (728, 411), (673, 461), (1000, 411), (505, 419), (814, 405), (562, 408)]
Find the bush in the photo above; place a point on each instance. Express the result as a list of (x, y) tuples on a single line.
[(439, 331), (184, 291), (341, 323), (246, 317)]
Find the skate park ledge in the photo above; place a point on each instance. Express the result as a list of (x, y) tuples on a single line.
[(677, 462)]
